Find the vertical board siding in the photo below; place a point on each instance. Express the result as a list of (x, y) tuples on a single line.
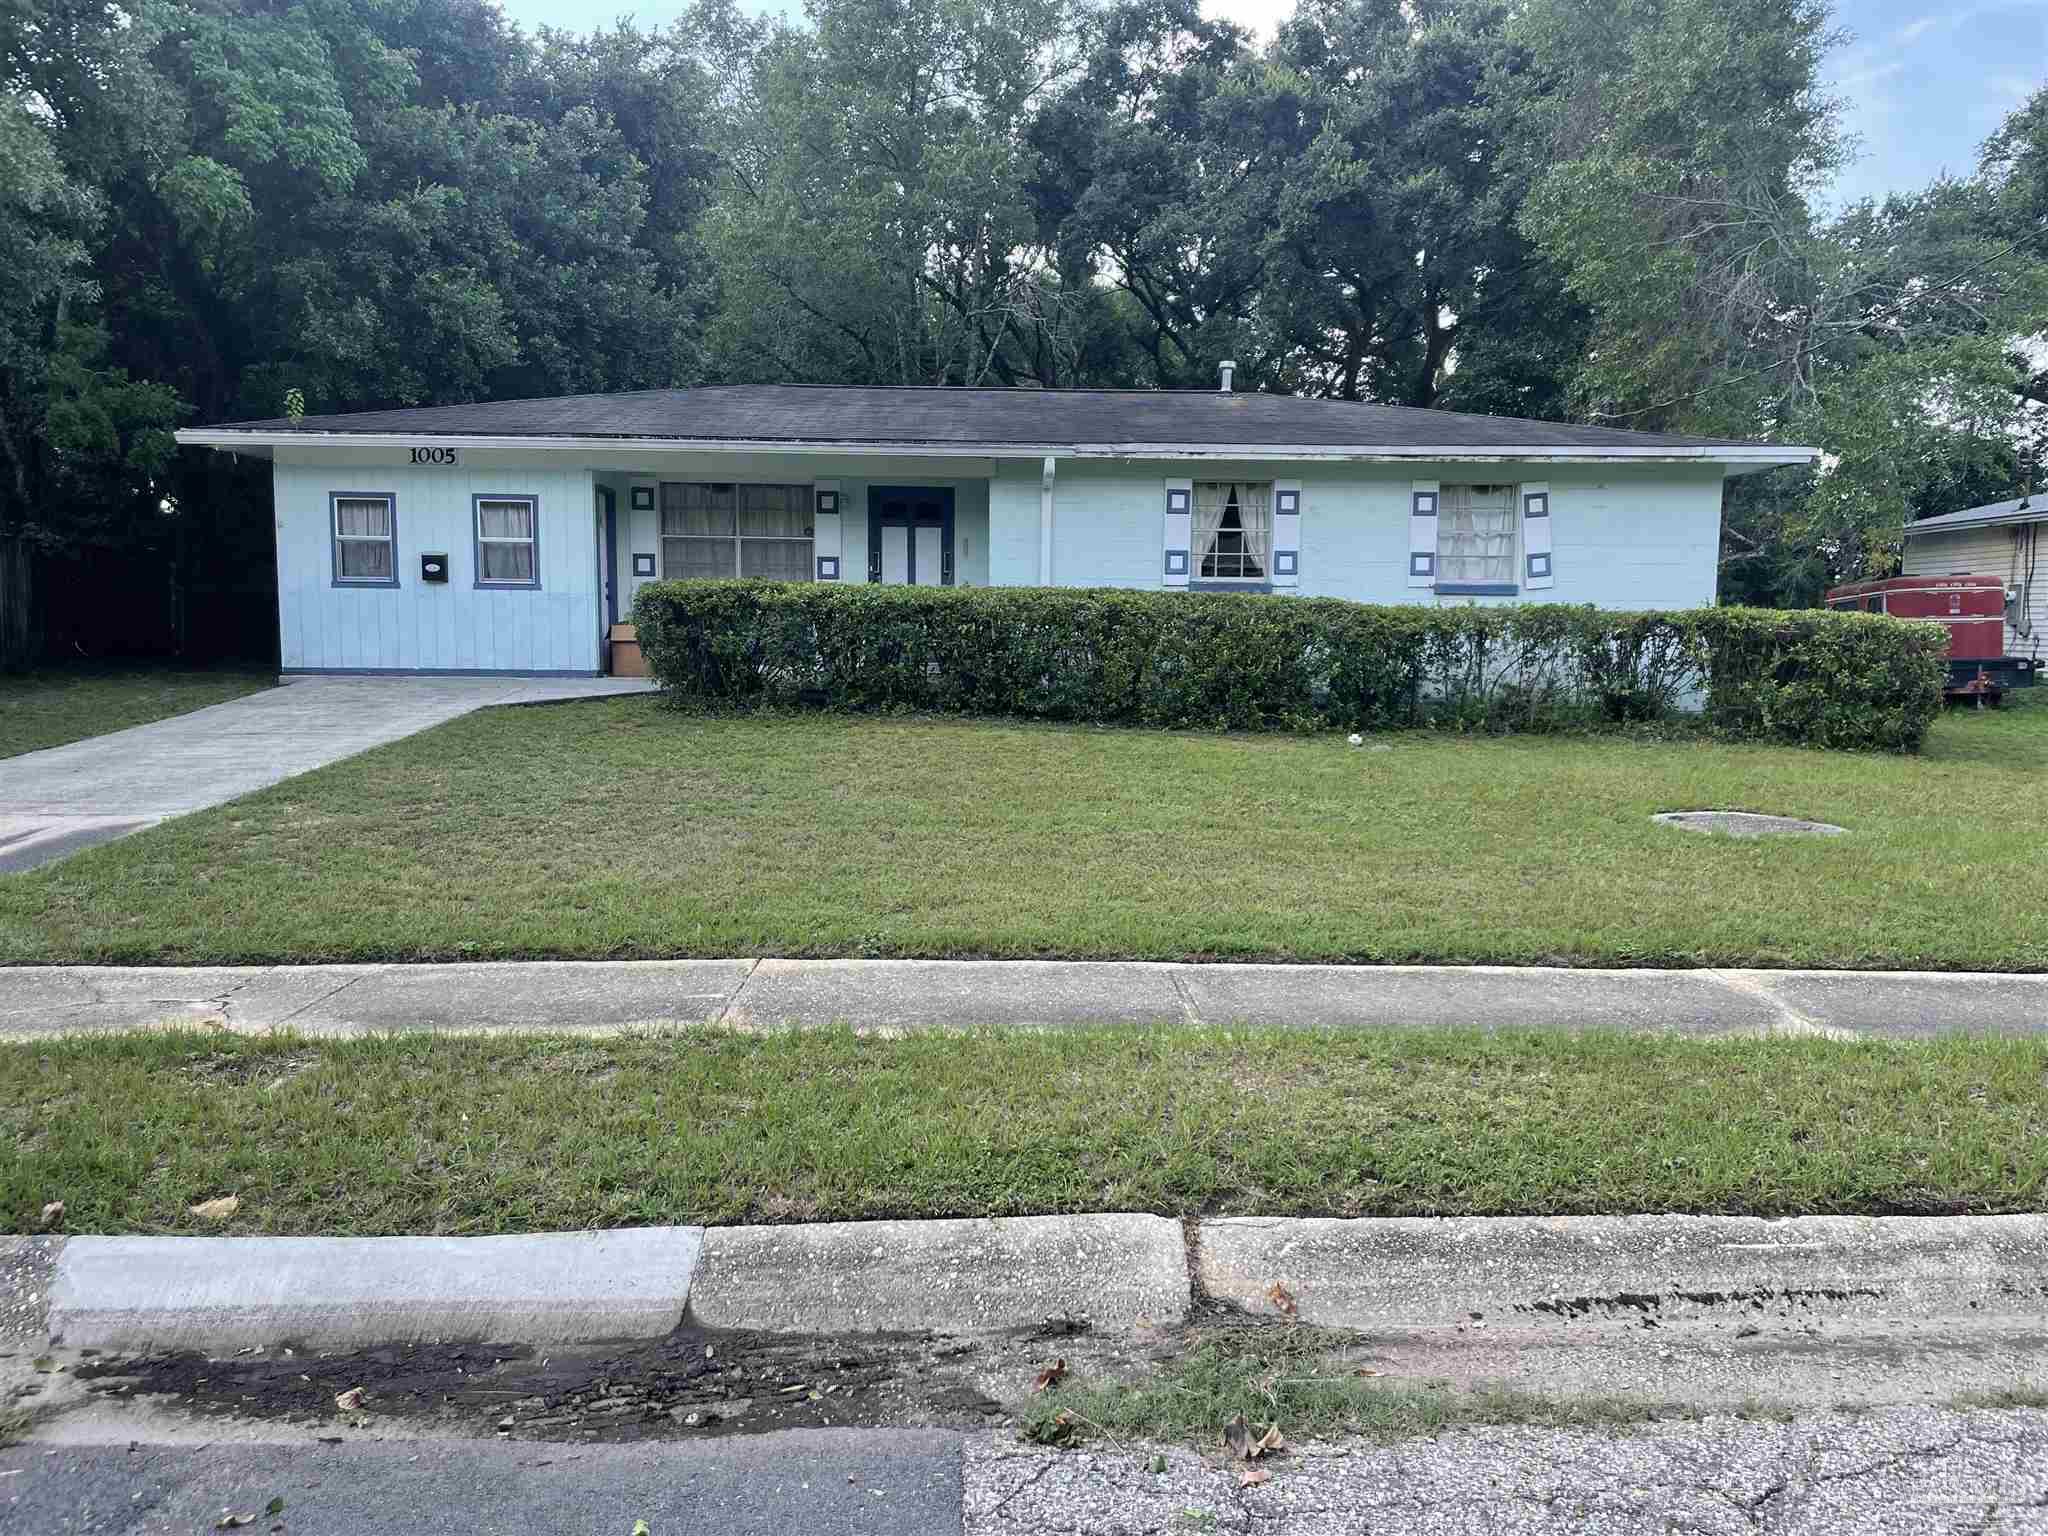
[(1987, 552), (451, 626), (1622, 537), (1013, 522)]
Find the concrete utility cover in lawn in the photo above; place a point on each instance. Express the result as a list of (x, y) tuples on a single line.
[(1748, 824)]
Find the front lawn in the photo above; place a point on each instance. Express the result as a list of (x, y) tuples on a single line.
[(424, 1135), (53, 705), (621, 828)]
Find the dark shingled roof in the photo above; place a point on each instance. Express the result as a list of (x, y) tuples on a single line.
[(994, 418), (2021, 509)]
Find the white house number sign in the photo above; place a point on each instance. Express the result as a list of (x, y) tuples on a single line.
[(447, 456)]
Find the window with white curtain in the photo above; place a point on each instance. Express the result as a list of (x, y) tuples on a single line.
[(736, 530), (507, 541), (365, 540), (1233, 529), (1475, 536)]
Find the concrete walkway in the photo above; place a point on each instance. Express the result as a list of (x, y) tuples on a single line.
[(66, 798), (887, 995)]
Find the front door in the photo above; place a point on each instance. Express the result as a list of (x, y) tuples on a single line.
[(910, 535)]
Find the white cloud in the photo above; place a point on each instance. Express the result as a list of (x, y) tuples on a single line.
[(1869, 74)]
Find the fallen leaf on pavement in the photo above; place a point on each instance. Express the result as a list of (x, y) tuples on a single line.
[(1052, 1375), (1243, 1443), (1282, 1298), (234, 1522), (350, 1401), (274, 1507), (217, 1210), (640, 1528), (53, 1213), (1252, 1475)]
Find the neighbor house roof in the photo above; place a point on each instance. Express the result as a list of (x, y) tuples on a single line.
[(2024, 509), (994, 423)]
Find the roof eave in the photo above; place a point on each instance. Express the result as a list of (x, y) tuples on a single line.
[(1962, 525), (1747, 456)]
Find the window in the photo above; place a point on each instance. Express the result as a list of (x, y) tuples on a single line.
[(1475, 536), (736, 530), (507, 541), (365, 539), (1233, 529)]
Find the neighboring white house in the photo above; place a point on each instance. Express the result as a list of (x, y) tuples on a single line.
[(507, 537), (2004, 539)]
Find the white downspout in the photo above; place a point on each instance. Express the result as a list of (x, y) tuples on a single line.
[(1045, 521)]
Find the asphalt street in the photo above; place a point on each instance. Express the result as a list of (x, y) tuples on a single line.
[(1895, 1472), (817, 1482)]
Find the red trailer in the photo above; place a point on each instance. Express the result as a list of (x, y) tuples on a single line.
[(1971, 608)]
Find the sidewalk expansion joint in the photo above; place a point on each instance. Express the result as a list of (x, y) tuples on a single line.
[(316, 1002), (732, 998)]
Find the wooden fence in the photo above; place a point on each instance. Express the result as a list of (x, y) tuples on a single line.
[(19, 642)]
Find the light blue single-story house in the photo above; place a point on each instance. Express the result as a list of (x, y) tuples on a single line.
[(509, 537)]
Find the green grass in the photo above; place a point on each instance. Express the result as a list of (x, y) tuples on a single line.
[(49, 707), (619, 828), (475, 1135), (1302, 1380)]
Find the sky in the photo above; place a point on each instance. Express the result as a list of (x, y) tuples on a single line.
[(1923, 83)]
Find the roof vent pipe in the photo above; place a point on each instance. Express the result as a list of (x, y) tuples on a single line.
[(1226, 368)]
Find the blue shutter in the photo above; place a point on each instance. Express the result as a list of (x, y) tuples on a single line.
[(1422, 500)]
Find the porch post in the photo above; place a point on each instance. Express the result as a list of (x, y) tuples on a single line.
[(1045, 521)]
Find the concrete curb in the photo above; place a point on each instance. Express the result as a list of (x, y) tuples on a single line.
[(151, 1293), (1017, 1272), (1583, 1273), (601, 997), (132, 1294)]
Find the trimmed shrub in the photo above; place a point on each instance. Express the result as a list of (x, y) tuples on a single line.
[(1253, 663)]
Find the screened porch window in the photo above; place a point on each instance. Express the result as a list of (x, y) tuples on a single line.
[(365, 541), (736, 530), (507, 541), (1233, 529), (1475, 539)]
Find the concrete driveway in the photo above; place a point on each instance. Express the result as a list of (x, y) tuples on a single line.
[(66, 798)]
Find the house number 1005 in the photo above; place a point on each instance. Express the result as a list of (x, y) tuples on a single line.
[(437, 455)]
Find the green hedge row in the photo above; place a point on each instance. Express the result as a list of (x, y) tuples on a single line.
[(1226, 662)]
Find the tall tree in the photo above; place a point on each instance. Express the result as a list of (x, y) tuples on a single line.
[(1689, 141), (873, 226), (369, 202)]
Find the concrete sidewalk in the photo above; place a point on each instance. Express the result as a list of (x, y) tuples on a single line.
[(882, 995)]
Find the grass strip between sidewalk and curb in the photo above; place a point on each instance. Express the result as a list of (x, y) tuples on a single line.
[(480, 1135)]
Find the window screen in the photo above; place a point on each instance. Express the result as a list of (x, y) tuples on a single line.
[(365, 540), (507, 541), (1475, 536), (736, 530)]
